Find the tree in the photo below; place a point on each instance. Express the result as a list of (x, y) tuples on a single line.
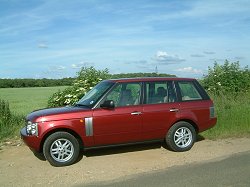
[(229, 77), (87, 78)]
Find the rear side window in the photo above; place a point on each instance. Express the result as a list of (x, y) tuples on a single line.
[(188, 91), (159, 92)]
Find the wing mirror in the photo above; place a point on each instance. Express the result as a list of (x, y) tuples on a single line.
[(108, 104)]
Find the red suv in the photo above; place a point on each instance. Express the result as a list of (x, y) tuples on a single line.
[(122, 111)]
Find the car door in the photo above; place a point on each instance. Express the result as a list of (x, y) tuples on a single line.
[(160, 109), (123, 123), (194, 104)]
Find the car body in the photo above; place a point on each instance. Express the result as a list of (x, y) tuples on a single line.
[(122, 111)]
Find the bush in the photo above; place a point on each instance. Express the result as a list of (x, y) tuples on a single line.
[(9, 122), (227, 78), (87, 78)]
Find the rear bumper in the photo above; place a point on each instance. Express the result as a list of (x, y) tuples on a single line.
[(211, 123), (33, 142)]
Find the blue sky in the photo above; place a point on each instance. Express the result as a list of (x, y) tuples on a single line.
[(55, 38)]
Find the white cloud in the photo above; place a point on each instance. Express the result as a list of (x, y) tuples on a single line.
[(165, 58), (60, 68), (190, 70), (197, 55), (238, 58), (74, 66), (142, 62), (209, 52), (217, 59), (81, 64), (43, 45)]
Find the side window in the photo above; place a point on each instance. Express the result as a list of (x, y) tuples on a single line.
[(159, 92), (115, 94), (125, 94), (189, 91)]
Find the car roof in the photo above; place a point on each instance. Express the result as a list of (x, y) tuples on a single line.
[(148, 79)]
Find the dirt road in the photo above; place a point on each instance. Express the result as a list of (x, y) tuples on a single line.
[(19, 167)]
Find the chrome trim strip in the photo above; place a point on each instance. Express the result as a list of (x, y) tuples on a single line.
[(136, 113), (89, 126)]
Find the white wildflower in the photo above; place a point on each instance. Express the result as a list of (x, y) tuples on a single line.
[(67, 101), (69, 95)]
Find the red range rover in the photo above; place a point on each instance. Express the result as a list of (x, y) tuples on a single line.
[(122, 111)]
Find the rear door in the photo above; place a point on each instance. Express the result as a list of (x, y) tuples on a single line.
[(195, 104), (160, 109)]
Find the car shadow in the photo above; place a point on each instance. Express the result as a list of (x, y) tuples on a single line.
[(129, 148), (118, 149), (121, 149), (200, 138), (40, 156)]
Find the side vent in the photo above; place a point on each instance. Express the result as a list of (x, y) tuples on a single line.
[(89, 126)]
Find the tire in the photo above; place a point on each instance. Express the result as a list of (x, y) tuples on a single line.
[(181, 137), (61, 149)]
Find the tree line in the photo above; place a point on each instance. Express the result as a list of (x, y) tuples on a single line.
[(20, 83)]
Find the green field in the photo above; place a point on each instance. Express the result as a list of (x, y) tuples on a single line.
[(233, 112), (24, 100)]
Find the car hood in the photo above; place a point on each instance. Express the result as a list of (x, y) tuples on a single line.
[(55, 114)]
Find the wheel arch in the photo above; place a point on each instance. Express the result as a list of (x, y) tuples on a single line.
[(70, 131), (188, 121)]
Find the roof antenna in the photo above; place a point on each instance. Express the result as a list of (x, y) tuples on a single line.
[(156, 70)]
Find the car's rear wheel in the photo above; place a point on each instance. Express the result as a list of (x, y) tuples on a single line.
[(61, 149), (181, 136)]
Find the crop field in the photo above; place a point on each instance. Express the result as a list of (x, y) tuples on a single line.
[(24, 100)]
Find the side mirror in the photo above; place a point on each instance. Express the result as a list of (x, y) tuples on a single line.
[(108, 104)]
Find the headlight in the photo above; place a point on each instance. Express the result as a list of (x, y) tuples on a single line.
[(32, 128)]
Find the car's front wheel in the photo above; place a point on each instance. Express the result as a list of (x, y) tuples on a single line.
[(61, 149), (181, 136)]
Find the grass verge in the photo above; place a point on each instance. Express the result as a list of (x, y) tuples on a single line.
[(10, 123), (233, 114)]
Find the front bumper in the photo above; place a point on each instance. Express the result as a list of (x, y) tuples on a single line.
[(33, 142)]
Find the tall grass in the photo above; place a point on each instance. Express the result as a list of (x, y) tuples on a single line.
[(233, 114), (10, 123)]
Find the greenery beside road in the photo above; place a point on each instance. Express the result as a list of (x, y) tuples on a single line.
[(17, 103), (9, 123), (227, 84), (233, 116)]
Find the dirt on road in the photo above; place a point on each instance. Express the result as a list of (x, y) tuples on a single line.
[(19, 166)]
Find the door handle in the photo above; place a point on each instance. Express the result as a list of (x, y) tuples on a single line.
[(174, 110), (136, 113)]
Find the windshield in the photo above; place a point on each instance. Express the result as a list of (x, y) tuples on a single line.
[(91, 98)]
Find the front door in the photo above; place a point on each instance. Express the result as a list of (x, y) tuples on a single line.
[(123, 124)]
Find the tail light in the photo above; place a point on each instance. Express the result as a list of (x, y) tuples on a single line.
[(212, 112)]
